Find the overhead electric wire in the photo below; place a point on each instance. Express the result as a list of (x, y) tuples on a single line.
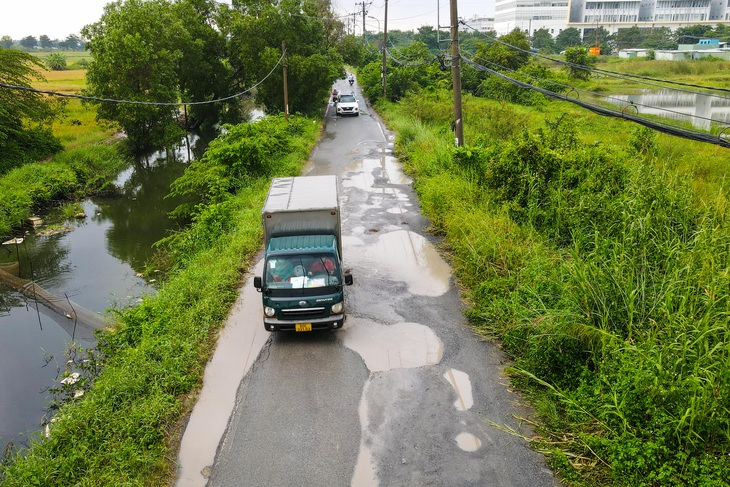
[(134, 102), (612, 73), (656, 125), (612, 99), (409, 63)]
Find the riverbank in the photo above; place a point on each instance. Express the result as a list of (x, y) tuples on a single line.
[(595, 252), (124, 431), (91, 159)]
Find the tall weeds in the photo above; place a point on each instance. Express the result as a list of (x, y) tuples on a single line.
[(605, 278)]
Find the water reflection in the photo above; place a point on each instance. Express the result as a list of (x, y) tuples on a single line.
[(697, 108), (96, 265)]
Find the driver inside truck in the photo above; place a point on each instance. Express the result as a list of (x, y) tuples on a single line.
[(322, 264), (283, 269)]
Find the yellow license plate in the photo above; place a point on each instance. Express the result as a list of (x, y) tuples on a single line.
[(303, 327)]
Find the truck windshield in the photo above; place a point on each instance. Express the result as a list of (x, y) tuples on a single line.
[(302, 271)]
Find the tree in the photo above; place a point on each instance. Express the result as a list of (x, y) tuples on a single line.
[(580, 60), (427, 35), (6, 42), (661, 38), (202, 72), (567, 38), (45, 42), (136, 48), (255, 47), (351, 49), (29, 42), (692, 34), (71, 43), (510, 53), (630, 38), (56, 62), (543, 41), (25, 116)]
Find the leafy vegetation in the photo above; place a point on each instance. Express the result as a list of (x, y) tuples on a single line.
[(25, 116), (122, 432), (601, 272), (161, 53), (76, 172)]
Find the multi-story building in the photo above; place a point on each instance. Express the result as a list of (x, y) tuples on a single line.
[(617, 14), (587, 15), (530, 16), (480, 23)]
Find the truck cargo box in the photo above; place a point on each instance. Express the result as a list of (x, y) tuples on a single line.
[(302, 206)]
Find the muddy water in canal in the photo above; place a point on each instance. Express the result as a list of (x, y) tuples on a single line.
[(95, 264)]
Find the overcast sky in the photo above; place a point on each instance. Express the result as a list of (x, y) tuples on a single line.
[(59, 18)]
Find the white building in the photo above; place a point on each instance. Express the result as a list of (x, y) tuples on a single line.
[(479, 23), (618, 14), (530, 16), (587, 15)]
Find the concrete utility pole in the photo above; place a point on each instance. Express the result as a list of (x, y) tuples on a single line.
[(385, 47), (364, 13), (286, 89), (455, 74)]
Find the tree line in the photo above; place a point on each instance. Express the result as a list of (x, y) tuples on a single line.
[(542, 40), (28, 43), (628, 38)]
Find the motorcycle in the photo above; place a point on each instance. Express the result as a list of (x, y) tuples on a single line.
[(351, 81)]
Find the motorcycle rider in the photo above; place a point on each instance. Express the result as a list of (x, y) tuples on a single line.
[(351, 79)]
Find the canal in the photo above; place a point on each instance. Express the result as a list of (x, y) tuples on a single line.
[(701, 110), (95, 263)]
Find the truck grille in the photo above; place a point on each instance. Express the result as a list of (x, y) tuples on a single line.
[(303, 313)]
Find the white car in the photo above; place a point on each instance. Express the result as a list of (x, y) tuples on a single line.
[(347, 105)]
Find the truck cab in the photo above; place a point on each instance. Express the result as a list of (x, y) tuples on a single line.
[(303, 280)]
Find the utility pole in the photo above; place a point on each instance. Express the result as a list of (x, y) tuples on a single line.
[(286, 89), (385, 47), (364, 13), (455, 73)]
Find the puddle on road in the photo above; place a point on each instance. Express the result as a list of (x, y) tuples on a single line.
[(239, 345), (388, 347), (383, 348), (462, 386), (364, 474), (468, 442), (401, 255), (374, 175), (407, 256)]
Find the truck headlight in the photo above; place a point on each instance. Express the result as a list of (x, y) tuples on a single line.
[(269, 311), (337, 308)]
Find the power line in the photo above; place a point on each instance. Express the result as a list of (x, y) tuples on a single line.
[(133, 102), (656, 125), (612, 99), (604, 71)]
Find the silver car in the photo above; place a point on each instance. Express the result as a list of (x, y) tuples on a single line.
[(347, 105)]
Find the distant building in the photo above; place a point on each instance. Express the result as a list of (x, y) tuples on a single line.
[(620, 14), (480, 23), (530, 16), (586, 15)]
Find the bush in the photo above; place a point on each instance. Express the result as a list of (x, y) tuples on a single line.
[(56, 62), (607, 282)]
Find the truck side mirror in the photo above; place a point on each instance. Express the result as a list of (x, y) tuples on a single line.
[(348, 279), (257, 283)]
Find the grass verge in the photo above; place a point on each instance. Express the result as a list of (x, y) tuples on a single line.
[(597, 253), (139, 384)]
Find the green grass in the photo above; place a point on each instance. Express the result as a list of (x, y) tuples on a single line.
[(77, 126), (76, 172), (597, 253), (139, 383)]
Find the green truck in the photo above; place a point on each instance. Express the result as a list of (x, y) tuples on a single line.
[(302, 285)]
